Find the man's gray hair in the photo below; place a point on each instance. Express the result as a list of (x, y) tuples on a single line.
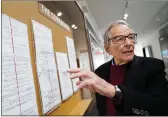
[(117, 22)]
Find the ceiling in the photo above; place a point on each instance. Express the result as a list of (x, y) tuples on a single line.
[(143, 16), (71, 12)]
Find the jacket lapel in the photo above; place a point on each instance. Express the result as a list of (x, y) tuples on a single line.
[(106, 74), (131, 70)]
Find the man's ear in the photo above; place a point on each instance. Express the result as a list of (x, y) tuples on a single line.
[(107, 48)]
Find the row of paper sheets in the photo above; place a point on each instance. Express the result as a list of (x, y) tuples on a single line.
[(18, 90)]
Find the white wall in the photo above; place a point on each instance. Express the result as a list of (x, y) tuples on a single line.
[(138, 49), (151, 39)]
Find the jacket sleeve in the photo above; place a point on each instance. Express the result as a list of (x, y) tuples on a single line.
[(154, 101), (100, 99)]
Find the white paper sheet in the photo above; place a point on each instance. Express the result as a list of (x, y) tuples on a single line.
[(65, 81), (72, 59), (18, 90), (46, 67)]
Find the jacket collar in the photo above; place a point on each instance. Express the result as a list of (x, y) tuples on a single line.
[(136, 60)]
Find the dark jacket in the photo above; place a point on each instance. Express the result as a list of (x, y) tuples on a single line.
[(144, 88)]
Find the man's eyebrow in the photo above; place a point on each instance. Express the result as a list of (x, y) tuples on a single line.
[(122, 35)]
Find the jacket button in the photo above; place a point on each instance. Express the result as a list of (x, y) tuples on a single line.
[(137, 111), (133, 110), (141, 112), (146, 113)]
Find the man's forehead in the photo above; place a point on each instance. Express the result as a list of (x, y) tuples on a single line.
[(120, 30)]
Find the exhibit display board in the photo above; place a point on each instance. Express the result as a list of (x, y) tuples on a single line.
[(24, 12)]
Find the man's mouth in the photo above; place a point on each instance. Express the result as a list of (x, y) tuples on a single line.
[(127, 52)]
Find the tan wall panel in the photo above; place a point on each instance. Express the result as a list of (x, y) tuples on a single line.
[(24, 12)]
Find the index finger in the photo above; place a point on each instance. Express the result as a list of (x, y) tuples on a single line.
[(79, 74), (75, 70)]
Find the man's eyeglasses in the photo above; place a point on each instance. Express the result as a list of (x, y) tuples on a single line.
[(121, 38)]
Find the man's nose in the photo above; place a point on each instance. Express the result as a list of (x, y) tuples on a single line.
[(128, 41)]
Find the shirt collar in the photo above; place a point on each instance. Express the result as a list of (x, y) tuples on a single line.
[(113, 62)]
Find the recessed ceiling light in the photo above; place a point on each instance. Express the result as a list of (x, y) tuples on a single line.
[(73, 26), (125, 15), (59, 14)]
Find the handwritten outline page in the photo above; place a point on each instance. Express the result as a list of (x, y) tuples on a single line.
[(72, 59), (18, 90), (46, 67), (65, 81)]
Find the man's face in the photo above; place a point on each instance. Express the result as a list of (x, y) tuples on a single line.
[(123, 52)]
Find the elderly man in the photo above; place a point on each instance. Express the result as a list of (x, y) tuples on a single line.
[(128, 84)]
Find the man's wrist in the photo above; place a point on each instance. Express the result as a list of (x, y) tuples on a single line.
[(111, 91), (118, 95)]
